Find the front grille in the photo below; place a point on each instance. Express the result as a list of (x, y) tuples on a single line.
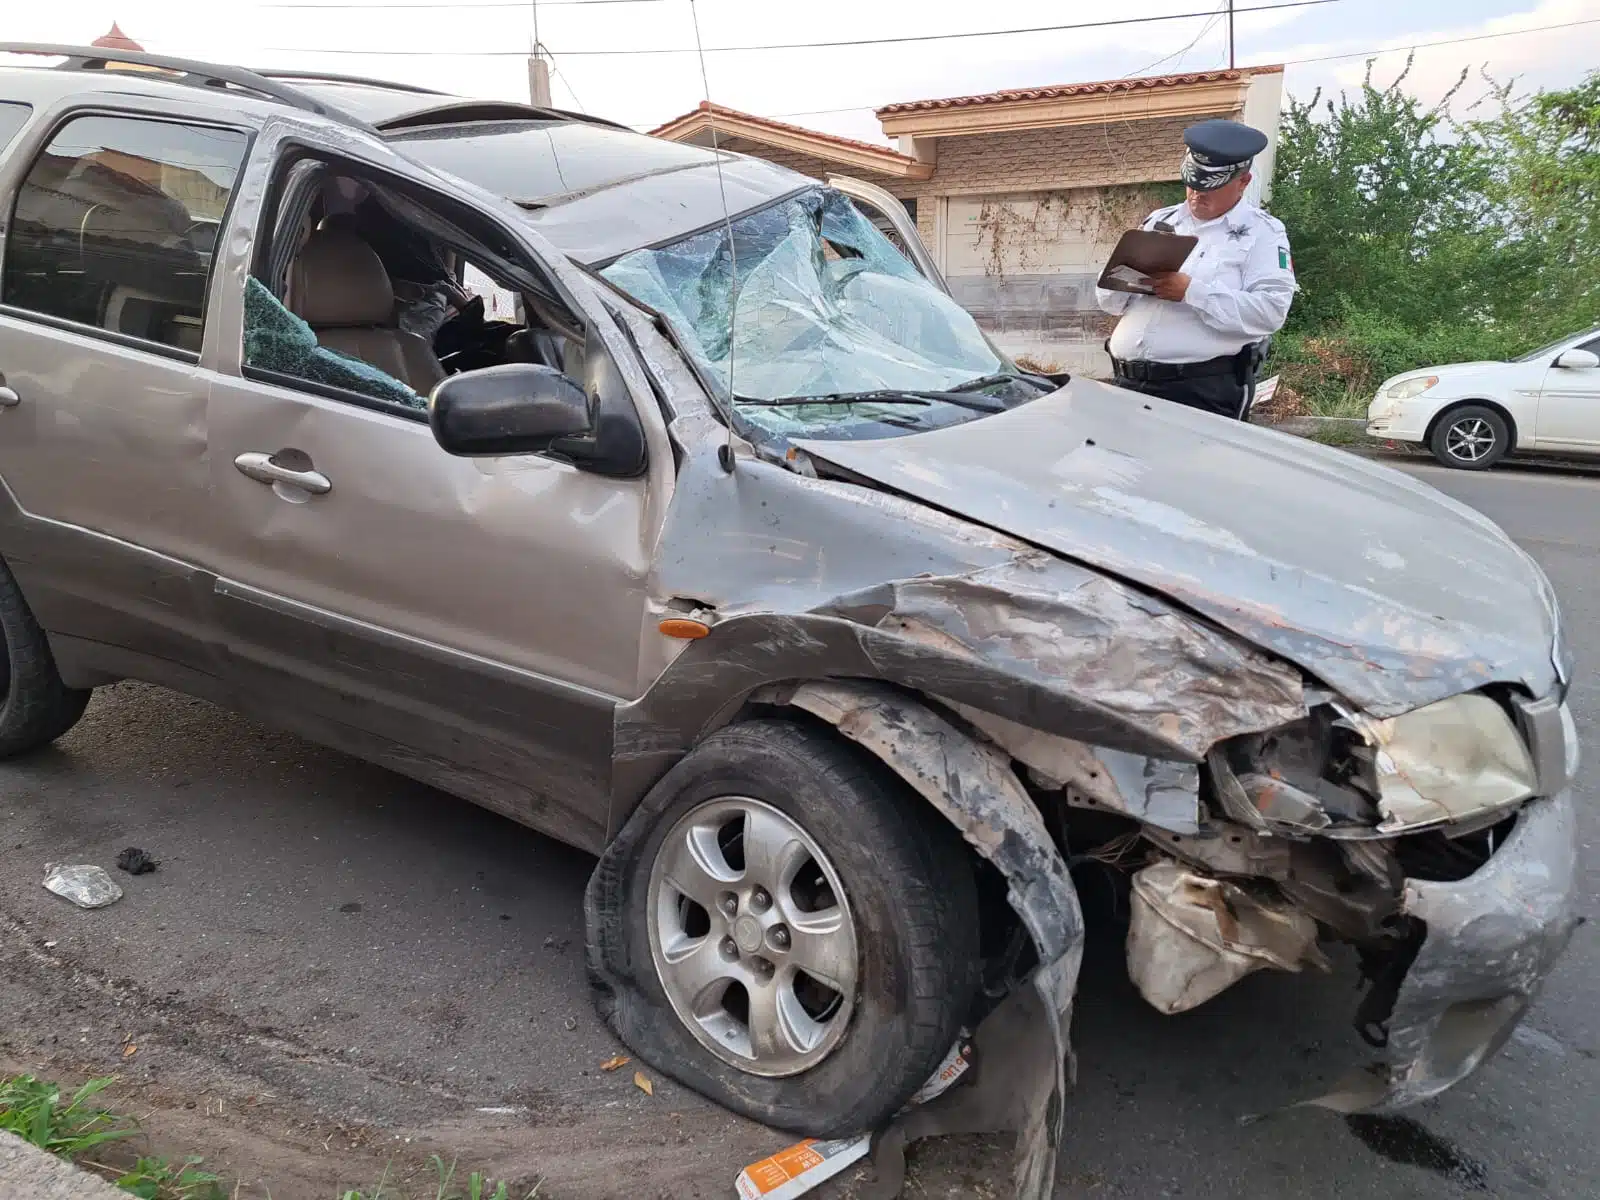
[(1434, 858)]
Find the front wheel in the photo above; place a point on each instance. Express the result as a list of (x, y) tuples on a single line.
[(804, 929), (35, 706), (1471, 438)]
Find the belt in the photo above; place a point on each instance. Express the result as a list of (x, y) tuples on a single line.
[(1146, 371)]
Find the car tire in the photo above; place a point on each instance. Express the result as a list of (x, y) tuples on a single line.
[(1472, 437), (909, 902), (35, 706)]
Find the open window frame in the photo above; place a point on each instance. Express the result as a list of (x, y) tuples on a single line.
[(617, 446)]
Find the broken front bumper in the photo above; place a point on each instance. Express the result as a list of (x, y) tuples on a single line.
[(1491, 940)]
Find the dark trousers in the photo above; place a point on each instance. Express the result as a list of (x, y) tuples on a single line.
[(1220, 394)]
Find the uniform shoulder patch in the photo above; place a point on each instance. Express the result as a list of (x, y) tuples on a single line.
[(1285, 263)]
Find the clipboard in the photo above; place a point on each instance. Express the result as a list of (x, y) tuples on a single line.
[(1141, 253)]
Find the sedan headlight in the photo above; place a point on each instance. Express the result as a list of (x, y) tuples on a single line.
[(1407, 388)]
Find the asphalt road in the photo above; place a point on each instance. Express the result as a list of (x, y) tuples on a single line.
[(328, 947)]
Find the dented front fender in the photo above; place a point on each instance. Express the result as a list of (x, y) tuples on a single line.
[(1024, 1045)]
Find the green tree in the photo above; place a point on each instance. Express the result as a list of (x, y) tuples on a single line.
[(1389, 214), (1543, 154), (1420, 240)]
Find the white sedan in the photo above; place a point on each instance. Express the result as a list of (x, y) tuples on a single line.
[(1471, 415)]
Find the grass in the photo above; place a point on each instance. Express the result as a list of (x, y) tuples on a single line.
[(1349, 403), (76, 1128), (478, 1187), (1340, 436)]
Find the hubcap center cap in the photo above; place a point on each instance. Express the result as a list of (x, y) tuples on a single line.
[(747, 933)]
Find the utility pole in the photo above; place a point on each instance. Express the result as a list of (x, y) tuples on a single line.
[(538, 67), (1230, 34)]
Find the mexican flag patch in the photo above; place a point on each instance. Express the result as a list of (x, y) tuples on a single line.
[(1285, 263)]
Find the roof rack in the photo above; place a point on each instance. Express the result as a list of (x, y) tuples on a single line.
[(360, 80), (469, 108), (188, 71)]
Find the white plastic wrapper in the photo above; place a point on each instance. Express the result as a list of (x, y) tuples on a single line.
[(85, 886)]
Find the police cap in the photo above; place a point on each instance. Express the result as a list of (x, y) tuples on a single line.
[(1219, 152)]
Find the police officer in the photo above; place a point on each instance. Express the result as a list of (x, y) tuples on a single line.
[(1199, 339)]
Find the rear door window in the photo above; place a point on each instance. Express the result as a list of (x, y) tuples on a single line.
[(13, 116), (116, 225)]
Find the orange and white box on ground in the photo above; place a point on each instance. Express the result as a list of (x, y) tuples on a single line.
[(797, 1169)]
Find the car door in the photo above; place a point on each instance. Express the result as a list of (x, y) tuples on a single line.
[(472, 622), (1569, 404), (102, 429)]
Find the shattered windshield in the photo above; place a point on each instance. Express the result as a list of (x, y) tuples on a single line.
[(827, 308)]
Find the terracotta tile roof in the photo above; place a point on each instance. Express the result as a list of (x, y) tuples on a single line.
[(1063, 90), (733, 114), (115, 39)]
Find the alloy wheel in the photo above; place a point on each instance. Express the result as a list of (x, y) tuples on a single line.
[(1469, 440), (752, 936)]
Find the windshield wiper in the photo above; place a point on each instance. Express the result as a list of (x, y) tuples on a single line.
[(920, 398), (884, 396), (983, 381)]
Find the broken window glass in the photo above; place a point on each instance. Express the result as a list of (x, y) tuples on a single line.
[(277, 340), (826, 305)]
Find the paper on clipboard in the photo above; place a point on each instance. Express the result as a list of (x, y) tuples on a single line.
[(1141, 253)]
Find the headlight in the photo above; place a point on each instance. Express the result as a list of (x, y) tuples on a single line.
[(1408, 388), (1448, 761)]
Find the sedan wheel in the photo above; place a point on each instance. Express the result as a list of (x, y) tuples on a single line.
[(1471, 438), (752, 937)]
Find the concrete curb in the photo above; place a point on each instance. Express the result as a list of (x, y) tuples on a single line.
[(28, 1173), (1348, 433)]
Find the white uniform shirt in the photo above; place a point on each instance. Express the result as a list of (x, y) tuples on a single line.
[(1241, 283)]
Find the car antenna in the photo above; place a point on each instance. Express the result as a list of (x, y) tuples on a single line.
[(724, 451)]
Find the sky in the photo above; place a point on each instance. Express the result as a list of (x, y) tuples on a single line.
[(478, 48)]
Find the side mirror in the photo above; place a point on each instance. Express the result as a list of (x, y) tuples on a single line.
[(1578, 358), (516, 408)]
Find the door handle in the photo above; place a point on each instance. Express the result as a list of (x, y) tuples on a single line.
[(263, 469)]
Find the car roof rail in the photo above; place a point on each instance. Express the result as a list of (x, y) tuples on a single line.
[(359, 80), (188, 71)]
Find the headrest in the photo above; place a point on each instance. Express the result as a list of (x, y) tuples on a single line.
[(338, 280)]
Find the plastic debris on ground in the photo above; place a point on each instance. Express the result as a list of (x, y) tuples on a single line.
[(136, 861), (795, 1170), (86, 886), (952, 1068)]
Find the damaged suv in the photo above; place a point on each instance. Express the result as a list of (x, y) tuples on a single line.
[(712, 536)]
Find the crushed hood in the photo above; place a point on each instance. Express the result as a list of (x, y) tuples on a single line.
[(1383, 588)]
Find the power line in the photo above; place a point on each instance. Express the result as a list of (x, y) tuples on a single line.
[(1482, 37), (522, 4), (1178, 54), (885, 41), (1292, 62)]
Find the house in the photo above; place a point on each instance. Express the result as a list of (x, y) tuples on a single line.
[(1020, 195)]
